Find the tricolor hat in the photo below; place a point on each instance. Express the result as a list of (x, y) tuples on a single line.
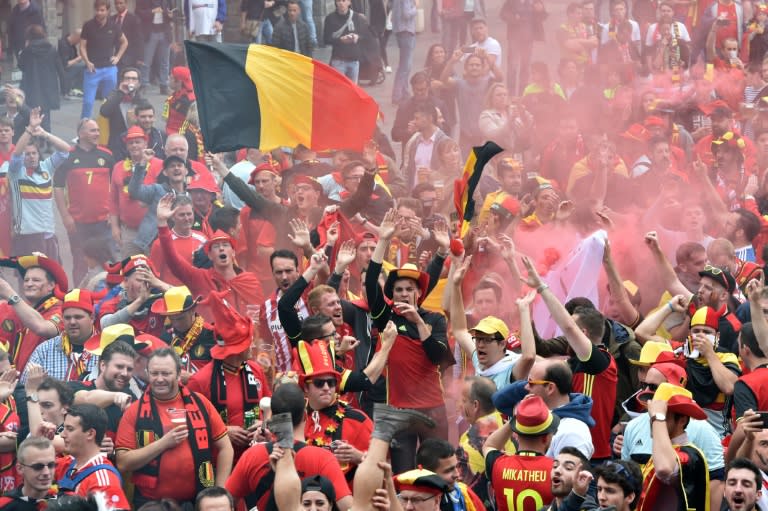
[(679, 401), (218, 237), (315, 360), (110, 334), (135, 132), (728, 140), (78, 299), (129, 264), (650, 353), (175, 301), (408, 271), (38, 260), (233, 332), (420, 480), (707, 316), (509, 163), (145, 344), (507, 208), (533, 418), (492, 325), (722, 277), (747, 271)]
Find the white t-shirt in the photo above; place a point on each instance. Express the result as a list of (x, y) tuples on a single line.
[(491, 47), (202, 16), (649, 36), (604, 37)]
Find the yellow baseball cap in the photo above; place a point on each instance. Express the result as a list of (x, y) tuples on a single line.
[(492, 325)]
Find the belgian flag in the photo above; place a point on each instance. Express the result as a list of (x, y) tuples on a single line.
[(258, 96), (464, 187)]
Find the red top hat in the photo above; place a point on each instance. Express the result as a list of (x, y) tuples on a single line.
[(315, 360), (78, 299), (218, 237), (114, 276), (49, 265), (533, 418), (233, 332)]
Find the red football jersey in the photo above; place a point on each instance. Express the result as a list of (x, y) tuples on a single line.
[(520, 482)]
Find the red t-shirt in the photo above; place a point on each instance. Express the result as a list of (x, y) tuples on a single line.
[(102, 480), (356, 429), (185, 246), (86, 176), (130, 212), (601, 387), (255, 233), (408, 365), (522, 482), (177, 469), (731, 29), (200, 382), (249, 475), (19, 340)]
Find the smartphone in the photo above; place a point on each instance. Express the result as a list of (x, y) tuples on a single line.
[(764, 416), (468, 49)]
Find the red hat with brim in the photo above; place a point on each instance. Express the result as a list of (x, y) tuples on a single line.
[(719, 106), (267, 166), (47, 264), (408, 271), (315, 360), (233, 333), (203, 181), (146, 344), (219, 237), (135, 132), (683, 405), (674, 373)]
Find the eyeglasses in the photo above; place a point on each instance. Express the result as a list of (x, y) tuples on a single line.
[(319, 384), (334, 335), (414, 500), (539, 382), (485, 340), (37, 467)]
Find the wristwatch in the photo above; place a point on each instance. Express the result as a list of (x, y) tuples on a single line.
[(660, 417), (33, 397), (14, 299)]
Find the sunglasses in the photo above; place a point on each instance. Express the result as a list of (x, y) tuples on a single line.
[(539, 382), (319, 384), (651, 386), (713, 269), (37, 467)]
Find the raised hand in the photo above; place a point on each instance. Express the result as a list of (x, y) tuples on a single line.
[(388, 335), (332, 235), (532, 280), (525, 301), (652, 241), (442, 234), (317, 260), (300, 236), (345, 256), (461, 271), (165, 209), (388, 225)]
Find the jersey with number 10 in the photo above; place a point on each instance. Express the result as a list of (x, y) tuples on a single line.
[(521, 482), (86, 176)]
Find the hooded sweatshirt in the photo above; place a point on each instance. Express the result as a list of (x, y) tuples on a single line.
[(575, 418)]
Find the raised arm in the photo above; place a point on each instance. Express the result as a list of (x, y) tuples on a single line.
[(664, 268), (29, 317), (458, 316), (628, 314), (380, 311), (286, 310), (379, 360), (527, 340), (646, 330), (755, 290), (576, 338)]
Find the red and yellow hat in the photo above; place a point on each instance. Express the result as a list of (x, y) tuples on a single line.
[(729, 140), (110, 334), (408, 271), (650, 352), (315, 360), (679, 401), (114, 275), (270, 166), (533, 418), (175, 301), (233, 332), (421, 480), (78, 299), (707, 316), (24, 263)]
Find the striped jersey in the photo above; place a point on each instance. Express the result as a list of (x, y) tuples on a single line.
[(32, 193), (269, 320)]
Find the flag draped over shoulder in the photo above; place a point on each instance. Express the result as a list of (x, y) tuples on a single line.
[(258, 96), (464, 188)]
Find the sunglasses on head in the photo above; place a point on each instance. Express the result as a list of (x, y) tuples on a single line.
[(319, 384)]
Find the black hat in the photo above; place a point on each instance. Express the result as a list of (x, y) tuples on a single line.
[(321, 484), (722, 277)]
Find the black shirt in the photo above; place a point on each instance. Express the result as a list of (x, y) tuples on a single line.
[(101, 41), (66, 51)]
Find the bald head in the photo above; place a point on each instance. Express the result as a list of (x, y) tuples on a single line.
[(176, 145)]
